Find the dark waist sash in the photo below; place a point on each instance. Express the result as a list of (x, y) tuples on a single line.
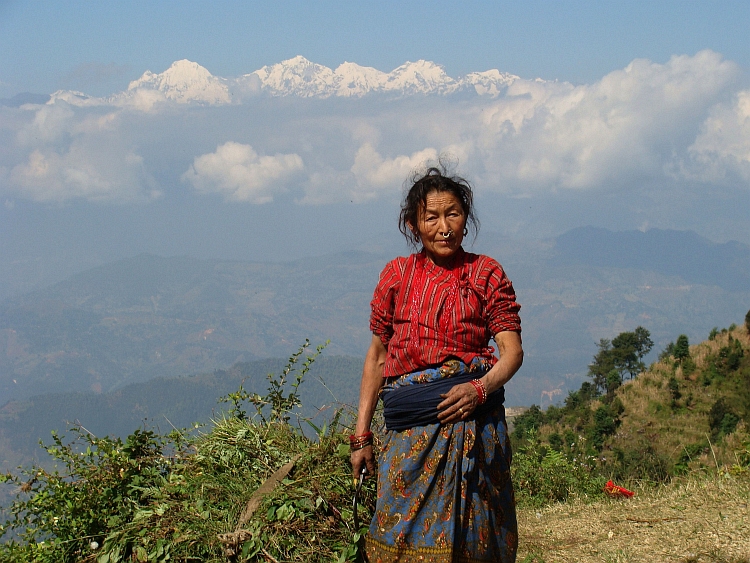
[(416, 405)]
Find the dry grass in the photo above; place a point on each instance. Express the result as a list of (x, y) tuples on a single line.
[(697, 520)]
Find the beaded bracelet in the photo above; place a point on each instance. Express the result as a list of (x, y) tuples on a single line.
[(360, 445), (481, 390), (361, 441)]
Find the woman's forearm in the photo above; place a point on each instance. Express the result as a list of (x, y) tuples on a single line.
[(511, 357), (372, 381)]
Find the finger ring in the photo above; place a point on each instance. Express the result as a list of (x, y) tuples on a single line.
[(460, 410)]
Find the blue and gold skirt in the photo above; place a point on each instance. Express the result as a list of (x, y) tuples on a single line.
[(444, 491)]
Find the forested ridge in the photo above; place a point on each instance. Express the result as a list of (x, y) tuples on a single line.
[(690, 409)]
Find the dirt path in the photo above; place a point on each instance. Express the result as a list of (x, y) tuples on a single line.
[(695, 521)]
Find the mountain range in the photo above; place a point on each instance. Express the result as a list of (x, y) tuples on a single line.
[(188, 82), (148, 316)]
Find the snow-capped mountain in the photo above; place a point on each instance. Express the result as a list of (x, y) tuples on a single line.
[(300, 77), (184, 82), (188, 82), (357, 81), (488, 83)]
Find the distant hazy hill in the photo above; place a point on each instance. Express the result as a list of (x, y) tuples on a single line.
[(148, 316), (672, 253), (165, 402)]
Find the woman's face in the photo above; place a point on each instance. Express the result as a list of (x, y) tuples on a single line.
[(440, 226)]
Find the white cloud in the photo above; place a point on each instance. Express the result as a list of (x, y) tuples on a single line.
[(50, 123), (721, 152), (376, 175), (680, 125), (238, 173), (82, 172), (629, 125), (64, 155)]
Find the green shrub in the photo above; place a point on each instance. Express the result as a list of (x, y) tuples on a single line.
[(556, 442), (729, 357), (674, 391), (688, 367), (543, 475), (681, 348), (527, 422), (640, 462), (667, 353), (605, 424), (722, 419), (105, 482)]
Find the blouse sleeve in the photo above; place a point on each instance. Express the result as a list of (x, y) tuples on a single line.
[(501, 306), (383, 302)]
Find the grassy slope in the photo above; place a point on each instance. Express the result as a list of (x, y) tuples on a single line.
[(648, 418), (701, 517), (679, 432)]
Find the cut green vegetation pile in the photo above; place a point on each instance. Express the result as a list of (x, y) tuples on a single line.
[(118, 502), (176, 497)]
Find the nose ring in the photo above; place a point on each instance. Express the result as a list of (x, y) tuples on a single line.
[(448, 234)]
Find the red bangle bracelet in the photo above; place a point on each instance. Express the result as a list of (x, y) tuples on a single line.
[(481, 390), (361, 438)]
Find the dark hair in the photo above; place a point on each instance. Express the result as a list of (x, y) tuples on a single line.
[(424, 183)]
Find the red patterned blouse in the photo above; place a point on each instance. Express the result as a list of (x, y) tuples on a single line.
[(425, 313)]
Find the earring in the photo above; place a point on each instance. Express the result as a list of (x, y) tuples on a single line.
[(466, 231)]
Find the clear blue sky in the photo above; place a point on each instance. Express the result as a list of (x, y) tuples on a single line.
[(99, 46)]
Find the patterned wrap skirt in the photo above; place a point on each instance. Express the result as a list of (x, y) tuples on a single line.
[(444, 491)]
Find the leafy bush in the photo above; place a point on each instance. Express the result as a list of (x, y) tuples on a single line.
[(640, 462), (674, 391), (605, 424), (729, 357), (66, 516), (543, 475), (526, 422), (722, 419), (667, 353), (681, 348)]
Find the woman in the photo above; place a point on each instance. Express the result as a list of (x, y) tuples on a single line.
[(444, 489)]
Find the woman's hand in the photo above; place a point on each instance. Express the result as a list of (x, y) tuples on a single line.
[(462, 399), (458, 403), (363, 459)]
